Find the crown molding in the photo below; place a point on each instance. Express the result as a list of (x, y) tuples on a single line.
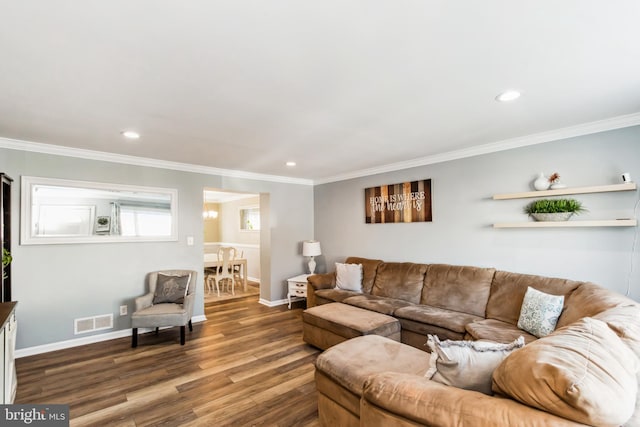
[(618, 122), (58, 150), (492, 147)]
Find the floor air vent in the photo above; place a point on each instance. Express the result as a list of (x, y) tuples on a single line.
[(95, 323)]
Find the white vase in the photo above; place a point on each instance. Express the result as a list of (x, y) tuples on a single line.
[(541, 183), (556, 216)]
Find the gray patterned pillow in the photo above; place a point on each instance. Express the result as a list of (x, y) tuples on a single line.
[(171, 289), (540, 312)]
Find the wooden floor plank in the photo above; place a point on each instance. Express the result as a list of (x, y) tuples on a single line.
[(245, 365)]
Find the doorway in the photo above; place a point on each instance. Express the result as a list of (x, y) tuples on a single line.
[(233, 219)]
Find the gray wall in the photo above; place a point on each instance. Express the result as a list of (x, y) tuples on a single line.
[(463, 212), (55, 284)]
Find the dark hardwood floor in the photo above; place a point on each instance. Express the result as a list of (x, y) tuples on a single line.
[(245, 366)]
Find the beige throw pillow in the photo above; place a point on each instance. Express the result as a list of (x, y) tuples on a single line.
[(349, 277), (583, 372), (467, 364)]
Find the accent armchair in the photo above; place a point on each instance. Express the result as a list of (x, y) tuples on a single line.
[(169, 302)]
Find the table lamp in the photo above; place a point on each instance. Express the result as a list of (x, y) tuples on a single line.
[(311, 248)]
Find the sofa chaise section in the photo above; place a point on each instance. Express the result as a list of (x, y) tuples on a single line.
[(342, 370)]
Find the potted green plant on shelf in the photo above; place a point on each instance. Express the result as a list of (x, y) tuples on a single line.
[(553, 209), (6, 260)]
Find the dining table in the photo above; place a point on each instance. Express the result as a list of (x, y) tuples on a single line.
[(211, 261)]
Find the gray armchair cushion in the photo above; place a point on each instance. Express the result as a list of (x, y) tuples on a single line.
[(160, 315), (171, 288)]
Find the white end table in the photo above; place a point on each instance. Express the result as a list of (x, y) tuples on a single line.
[(297, 287)]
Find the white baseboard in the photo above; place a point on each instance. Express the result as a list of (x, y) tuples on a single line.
[(273, 303), (239, 245), (45, 348)]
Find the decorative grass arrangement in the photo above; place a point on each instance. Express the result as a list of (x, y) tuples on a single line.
[(6, 260), (554, 206)]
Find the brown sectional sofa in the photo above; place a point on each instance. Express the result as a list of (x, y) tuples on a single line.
[(473, 303)]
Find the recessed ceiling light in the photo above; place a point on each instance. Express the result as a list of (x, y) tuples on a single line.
[(129, 134), (509, 95), (291, 164)]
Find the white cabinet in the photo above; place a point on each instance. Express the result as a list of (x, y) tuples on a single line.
[(297, 287), (8, 331)]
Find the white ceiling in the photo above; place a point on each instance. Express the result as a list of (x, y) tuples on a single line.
[(336, 86)]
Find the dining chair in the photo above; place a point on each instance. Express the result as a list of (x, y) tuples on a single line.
[(210, 257), (224, 271), (236, 267)]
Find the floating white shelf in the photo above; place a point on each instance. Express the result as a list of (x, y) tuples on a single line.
[(545, 224), (630, 186)]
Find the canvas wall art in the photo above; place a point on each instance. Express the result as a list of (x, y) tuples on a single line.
[(406, 202)]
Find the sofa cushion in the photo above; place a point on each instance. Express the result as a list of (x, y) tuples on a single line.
[(496, 330), (583, 372), (587, 301), (539, 312), (415, 333), (508, 289), (449, 319), (393, 399), (336, 295), (348, 321), (623, 321), (349, 277), (369, 271), (400, 280), (350, 363), (375, 303), (467, 364), (460, 288)]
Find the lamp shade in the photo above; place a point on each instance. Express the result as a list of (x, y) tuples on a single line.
[(310, 248)]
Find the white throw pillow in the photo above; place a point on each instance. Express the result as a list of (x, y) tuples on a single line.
[(540, 312), (349, 277), (467, 364)]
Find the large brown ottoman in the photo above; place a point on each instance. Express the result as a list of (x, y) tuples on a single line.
[(329, 324), (342, 370)]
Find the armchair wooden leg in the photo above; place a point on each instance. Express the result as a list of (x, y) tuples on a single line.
[(157, 330), (134, 338), (190, 326), (182, 332)]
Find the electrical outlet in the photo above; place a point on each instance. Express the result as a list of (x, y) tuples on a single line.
[(123, 310)]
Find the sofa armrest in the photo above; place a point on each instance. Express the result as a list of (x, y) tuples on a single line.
[(144, 301), (316, 282), (322, 281), (408, 399)]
